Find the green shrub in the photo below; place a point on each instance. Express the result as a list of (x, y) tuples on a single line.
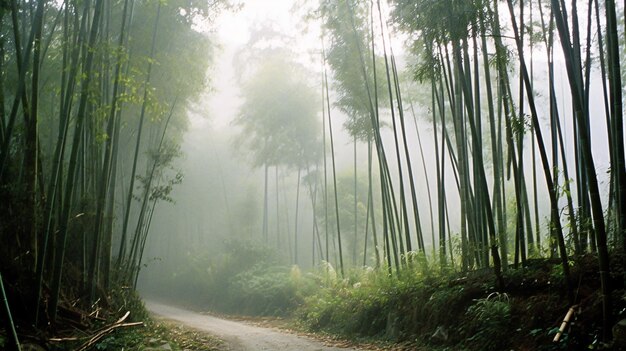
[(123, 299), (487, 323), (243, 278), (264, 291), (361, 306)]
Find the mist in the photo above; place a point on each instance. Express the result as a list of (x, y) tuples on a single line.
[(379, 170), (221, 199)]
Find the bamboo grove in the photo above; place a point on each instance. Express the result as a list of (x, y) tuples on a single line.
[(93, 97), (482, 76), (480, 136)]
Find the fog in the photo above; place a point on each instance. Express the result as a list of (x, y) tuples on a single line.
[(221, 200), (386, 169)]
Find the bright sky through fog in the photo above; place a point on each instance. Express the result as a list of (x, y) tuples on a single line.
[(233, 27), (285, 16), (232, 30)]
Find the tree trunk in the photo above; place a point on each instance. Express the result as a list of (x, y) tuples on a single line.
[(8, 319), (544, 159), (72, 168), (575, 80)]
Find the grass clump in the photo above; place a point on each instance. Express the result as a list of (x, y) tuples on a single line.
[(266, 291), (438, 310), (487, 322)]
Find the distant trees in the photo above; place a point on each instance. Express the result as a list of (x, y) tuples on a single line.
[(352, 56), (279, 125)]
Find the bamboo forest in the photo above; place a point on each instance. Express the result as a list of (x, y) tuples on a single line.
[(312, 175)]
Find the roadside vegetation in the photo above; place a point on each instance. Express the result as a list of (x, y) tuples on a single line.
[(482, 198), (447, 174), (420, 307), (138, 332), (93, 106)]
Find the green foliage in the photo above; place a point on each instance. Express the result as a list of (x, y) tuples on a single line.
[(265, 291), (374, 304), (346, 310), (124, 299), (347, 25), (437, 21), (345, 192), (556, 274), (563, 343), (278, 116), (436, 309), (487, 323), (154, 335), (119, 341), (433, 23), (244, 278)]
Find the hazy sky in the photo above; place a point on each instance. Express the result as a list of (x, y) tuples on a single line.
[(234, 27), (214, 172), (232, 30)]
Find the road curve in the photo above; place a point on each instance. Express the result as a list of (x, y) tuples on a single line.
[(239, 336)]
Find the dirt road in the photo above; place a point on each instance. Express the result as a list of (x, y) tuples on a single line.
[(240, 336)]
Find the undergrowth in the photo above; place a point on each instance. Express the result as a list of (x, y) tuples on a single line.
[(244, 278), (420, 305), (152, 335), (461, 310)]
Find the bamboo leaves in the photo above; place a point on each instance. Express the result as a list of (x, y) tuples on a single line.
[(73, 94)]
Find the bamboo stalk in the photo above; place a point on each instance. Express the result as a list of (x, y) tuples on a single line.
[(9, 318), (565, 323)]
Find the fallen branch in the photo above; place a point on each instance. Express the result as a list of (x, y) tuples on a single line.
[(99, 335), (64, 339), (123, 318), (565, 323)]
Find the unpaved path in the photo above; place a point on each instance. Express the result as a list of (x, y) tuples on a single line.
[(240, 336)]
